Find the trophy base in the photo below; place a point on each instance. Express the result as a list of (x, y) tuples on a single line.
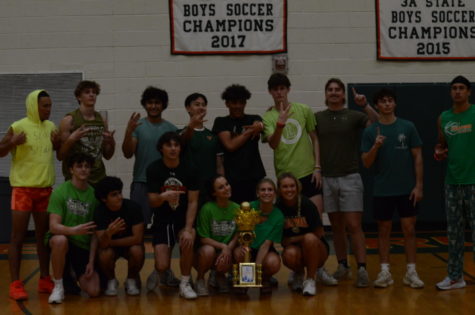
[(247, 275)]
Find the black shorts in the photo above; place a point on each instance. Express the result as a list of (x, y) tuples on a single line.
[(384, 207), (78, 258), (166, 233), (254, 252), (308, 187)]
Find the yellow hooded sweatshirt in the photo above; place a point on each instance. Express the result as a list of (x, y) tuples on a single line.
[(33, 161)]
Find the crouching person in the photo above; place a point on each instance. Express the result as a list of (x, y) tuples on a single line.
[(216, 228), (71, 208), (119, 233), (268, 233)]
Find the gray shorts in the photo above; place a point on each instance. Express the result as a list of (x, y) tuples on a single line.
[(139, 194), (343, 194)]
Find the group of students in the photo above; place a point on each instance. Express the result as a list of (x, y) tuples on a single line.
[(191, 181)]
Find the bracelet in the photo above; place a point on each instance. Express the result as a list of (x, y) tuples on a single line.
[(280, 125)]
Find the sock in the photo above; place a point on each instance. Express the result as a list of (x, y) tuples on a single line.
[(58, 282), (361, 265), (343, 262), (185, 279), (411, 267), (385, 267)]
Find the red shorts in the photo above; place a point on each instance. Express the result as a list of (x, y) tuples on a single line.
[(30, 199)]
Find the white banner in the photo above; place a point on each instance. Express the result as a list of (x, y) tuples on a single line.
[(426, 29), (228, 26)]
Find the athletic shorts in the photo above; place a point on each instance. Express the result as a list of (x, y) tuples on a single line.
[(78, 258), (30, 199), (166, 233), (384, 207), (243, 190), (308, 187), (343, 193)]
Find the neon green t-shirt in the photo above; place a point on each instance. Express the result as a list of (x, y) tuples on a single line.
[(295, 151)]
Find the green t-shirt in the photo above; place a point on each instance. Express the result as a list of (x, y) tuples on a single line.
[(269, 230), (295, 150), (217, 223), (394, 164), (459, 133), (339, 137), (75, 207)]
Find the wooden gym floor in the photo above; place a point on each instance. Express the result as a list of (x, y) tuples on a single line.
[(342, 299)]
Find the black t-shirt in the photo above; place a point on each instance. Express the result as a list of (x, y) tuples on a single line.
[(309, 221), (160, 178), (245, 163), (130, 212)]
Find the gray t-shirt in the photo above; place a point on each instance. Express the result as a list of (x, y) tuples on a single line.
[(147, 135)]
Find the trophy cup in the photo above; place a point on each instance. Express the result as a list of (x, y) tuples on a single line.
[(247, 274)]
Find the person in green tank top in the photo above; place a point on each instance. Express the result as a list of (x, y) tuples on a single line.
[(217, 231), (456, 140), (268, 232), (85, 130)]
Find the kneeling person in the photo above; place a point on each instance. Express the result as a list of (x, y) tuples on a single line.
[(216, 228), (120, 230), (71, 208), (173, 191)]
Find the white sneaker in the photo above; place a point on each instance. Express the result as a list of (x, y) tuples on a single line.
[(168, 278), (152, 281), (131, 287), (187, 291), (57, 296), (412, 279), (297, 284), (448, 284), (200, 287), (212, 279), (342, 272), (383, 280), (363, 279), (325, 278), (112, 286), (309, 287)]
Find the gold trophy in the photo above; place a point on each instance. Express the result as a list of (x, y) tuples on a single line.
[(247, 274)]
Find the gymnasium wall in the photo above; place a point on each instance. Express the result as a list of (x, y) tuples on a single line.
[(124, 45)]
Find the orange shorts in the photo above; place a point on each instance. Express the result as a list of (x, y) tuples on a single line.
[(30, 198)]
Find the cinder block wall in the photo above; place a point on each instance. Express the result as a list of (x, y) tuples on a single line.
[(124, 45)]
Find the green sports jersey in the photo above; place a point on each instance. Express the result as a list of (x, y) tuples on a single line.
[(460, 136), (75, 207), (217, 223), (270, 229), (295, 152)]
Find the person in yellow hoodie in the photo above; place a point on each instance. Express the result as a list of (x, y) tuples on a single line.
[(31, 142)]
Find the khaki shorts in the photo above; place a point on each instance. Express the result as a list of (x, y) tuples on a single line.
[(343, 194)]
